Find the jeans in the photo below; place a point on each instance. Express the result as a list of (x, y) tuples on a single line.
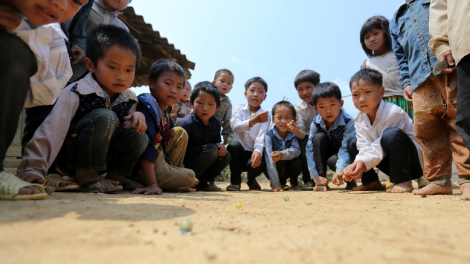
[(305, 172), (463, 110), (205, 162), (95, 142), (401, 162), (241, 161), (324, 153), (17, 65)]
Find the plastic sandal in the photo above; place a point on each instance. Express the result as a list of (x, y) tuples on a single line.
[(10, 185), (53, 180)]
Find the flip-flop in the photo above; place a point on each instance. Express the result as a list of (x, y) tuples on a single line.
[(233, 188), (307, 188), (54, 180), (285, 187), (10, 185), (84, 187)]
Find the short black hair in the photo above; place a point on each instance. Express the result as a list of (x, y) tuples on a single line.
[(256, 79), (217, 73), (165, 65), (307, 76), (286, 104), (105, 36), (206, 87), (368, 75), (325, 90), (380, 23)]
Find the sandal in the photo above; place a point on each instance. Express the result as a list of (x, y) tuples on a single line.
[(54, 180), (285, 187), (10, 185), (84, 187), (307, 187), (254, 186), (128, 185), (233, 188)]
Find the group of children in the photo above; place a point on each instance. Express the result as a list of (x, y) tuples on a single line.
[(96, 135)]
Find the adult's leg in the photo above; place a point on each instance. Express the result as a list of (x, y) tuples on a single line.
[(237, 163), (370, 179), (402, 161), (17, 65), (306, 178), (432, 133)]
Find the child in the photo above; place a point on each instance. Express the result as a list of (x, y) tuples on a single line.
[(282, 148), (250, 124), (161, 165), (377, 44), (305, 83), (205, 154), (434, 96), (224, 80), (385, 139), (183, 107), (330, 132), (17, 65), (104, 12), (87, 123)]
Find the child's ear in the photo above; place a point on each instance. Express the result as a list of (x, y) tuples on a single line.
[(342, 103), (150, 83), (382, 92), (245, 94), (213, 81), (89, 65), (315, 107)]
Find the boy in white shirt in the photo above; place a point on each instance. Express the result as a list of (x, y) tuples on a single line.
[(385, 139), (249, 124)]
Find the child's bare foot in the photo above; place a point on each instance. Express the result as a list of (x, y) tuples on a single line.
[(373, 186), (31, 178), (402, 187), (433, 188), (351, 185), (196, 182), (465, 189), (320, 188)]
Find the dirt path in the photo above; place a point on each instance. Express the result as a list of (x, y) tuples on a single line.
[(329, 227)]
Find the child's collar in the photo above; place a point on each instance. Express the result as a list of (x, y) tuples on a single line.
[(88, 85)]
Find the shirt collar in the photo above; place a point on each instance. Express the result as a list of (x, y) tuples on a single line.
[(245, 108), (303, 105), (88, 85), (339, 121), (199, 121), (290, 135), (362, 117)]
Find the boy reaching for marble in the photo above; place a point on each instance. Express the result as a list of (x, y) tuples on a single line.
[(385, 139)]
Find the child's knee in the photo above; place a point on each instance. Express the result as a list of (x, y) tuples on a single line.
[(212, 151), (391, 134), (103, 116), (319, 137), (180, 135)]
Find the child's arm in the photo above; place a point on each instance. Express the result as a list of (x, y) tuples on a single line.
[(227, 130), (299, 122), (292, 127), (343, 155), (292, 152), (271, 166), (41, 151), (77, 33), (312, 167), (237, 122), (438, 26), (401, 57), (138, 122), (259, 142), (149, 179)]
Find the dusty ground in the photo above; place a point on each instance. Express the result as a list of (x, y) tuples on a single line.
[(329, 227)]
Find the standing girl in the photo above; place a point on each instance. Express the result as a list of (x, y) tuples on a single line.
[(377, 44)]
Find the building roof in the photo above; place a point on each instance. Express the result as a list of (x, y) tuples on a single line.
[(152, 45)]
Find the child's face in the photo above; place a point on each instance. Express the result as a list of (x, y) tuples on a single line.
[(375, 39), (167, 89), (367, 96), (42, 12), (186, 92), (255, 94), (224, 82), (282, 113), (115, 71), (115, 5), (204, 106), (329, 108), (305, 91)]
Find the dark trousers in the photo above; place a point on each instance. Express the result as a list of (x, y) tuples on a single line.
[(17, 65), (95, 142), (241, 161), (289, 169), (401, 161), (35, 116), (305, 171), (324, 153), (205, 162), (463, 94)]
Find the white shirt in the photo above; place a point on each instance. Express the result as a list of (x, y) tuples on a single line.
[(388, 66), (305, 113), (251, 138), (54, 68), (369, 136)]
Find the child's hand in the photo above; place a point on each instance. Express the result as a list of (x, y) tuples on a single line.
[(354, 171), (292, 127), (320, 181), (151, 189), (276, 156), (225, 140), (338, 179), (9, 18), (222, 150), (261, 117), (277, 189), (255, 159), (138, 122)]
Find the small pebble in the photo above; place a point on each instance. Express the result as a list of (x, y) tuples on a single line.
[(424, 196)]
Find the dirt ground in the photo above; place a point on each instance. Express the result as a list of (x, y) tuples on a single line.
[(329, 227)]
